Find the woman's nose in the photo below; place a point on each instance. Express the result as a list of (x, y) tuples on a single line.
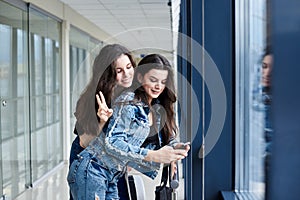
[(157, 86), (126, 72)]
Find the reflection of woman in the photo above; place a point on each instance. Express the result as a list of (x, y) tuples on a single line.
[(113, 70), (261, 93), (267, 69), (133, 135), (267, 65)]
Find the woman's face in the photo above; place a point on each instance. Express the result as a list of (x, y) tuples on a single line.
[(266, 70), (124, 71), (154, 82)]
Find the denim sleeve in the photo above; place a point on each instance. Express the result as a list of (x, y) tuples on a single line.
[(117, 135), (144, 170)]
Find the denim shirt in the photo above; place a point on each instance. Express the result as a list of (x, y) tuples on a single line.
[(126, 131)]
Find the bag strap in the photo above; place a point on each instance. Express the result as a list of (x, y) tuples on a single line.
[(128, 185), (164, 176)]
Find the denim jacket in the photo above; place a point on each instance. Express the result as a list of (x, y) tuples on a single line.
[(126, 131)]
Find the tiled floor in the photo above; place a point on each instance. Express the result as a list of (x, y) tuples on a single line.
[(55, 187)]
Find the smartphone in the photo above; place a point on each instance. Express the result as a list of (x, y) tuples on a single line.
[(184, 145)]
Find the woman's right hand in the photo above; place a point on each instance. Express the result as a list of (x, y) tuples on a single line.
[(104, 113), (166, 154)]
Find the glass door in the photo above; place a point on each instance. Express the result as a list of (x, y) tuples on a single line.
[(31, 142), (46, 142), (14, 111)]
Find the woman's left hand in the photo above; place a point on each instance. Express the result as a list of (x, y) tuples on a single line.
[(181, 145)]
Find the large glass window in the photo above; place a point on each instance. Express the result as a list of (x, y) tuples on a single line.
[(83, 50), (252, 107), (14, 113), (31, 138), (45, 93)]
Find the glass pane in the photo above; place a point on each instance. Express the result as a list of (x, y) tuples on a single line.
[(47, 136), (49, 84), (256, 143), (83, 50), (22, 72), (252, 41), (5, 58), (36, 104), (38, 65), (14, 100)]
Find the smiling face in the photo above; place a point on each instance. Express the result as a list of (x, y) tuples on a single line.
[(124, 71), (154, 82)]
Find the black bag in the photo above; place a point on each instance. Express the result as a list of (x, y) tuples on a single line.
[(163, 192)]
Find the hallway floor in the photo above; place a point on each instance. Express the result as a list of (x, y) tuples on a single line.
[(55, 187)]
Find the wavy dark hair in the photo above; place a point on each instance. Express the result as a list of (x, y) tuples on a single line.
[(166, 99), (103, 79)]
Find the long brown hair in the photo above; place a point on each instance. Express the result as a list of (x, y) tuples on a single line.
[(167, 98), (103, 79)]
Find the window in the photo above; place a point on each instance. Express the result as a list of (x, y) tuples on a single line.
[(14, 128), (252, 38), (251, 42), (83, 50), (45, 92)]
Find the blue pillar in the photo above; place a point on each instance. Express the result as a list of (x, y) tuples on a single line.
[(285, 161)]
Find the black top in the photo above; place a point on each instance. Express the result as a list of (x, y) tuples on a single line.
[(152, 138)]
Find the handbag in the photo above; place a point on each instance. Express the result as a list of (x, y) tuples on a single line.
[(163, 192)]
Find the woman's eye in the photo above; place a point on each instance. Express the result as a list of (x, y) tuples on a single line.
[(129, 66), (164, 82)]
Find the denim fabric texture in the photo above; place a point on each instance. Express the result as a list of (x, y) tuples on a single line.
[(77, 149), (88, 178), (98, 167), (126, 131)]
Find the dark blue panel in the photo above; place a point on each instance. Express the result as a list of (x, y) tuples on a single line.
[(285, 162), (196, 178), (219, 45)]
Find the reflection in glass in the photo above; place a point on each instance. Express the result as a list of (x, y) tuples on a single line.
[(253, 97), (266, 81)]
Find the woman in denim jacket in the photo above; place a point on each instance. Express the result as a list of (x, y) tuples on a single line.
[(146, 114), (113, 70)]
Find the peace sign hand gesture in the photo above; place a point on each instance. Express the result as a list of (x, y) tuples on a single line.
[(104, 113)]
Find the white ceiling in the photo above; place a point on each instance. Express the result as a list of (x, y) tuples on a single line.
[(138, 24)]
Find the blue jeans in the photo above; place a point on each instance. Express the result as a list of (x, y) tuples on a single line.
[(88, 178), (77, 149)]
